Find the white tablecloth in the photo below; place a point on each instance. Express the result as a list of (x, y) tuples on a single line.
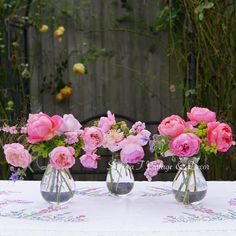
[(149, 210)]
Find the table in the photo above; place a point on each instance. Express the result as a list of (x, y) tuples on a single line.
[(149, 210)]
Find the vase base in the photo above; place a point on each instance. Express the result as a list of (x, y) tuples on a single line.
[(120, 188), (194, 197), (55, 198)]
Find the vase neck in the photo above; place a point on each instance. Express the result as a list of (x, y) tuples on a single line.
[(187, 160), (116, 156)]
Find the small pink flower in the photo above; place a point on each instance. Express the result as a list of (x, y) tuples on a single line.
[(112, 140), (41, 127), (62, 157), (131, 153), (71, 137), (69, 124), (172, 126), (89, 160), (138, 127), (219, 134), (23, 130), (105, 123), (9, 129), (152, 169), (199, 114), (185, 145), (93, 138), (17, 155)]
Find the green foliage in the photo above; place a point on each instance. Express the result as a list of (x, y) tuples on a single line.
[(42, 149), (161, 144)]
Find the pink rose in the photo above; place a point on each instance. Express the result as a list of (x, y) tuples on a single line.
[(152, 169), (89, 160), (172, 126), (199, 114), (62, 157), (131, 153), (93, 138), (219, 134), (69, 124), (17, 155), (185, 145), (41, 127), (105, 123)]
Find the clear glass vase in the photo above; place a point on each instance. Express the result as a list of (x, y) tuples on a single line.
[(120, 179), (189, 185), (57, 186)]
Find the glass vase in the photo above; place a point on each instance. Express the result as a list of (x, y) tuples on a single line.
[(189, 185), (57, 186), (120, 179)]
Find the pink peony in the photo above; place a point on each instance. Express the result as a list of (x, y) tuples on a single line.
[(152, 169), (219, 134), (199, 114), (89, 160), (93, 138), (105, 123), (41, 127), (131, 153), (185, 145), (62, 157), (69, 124), (172, 126), (112, 140), (17, 155)]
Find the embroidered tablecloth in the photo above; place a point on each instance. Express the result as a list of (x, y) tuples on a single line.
[(149, 210)]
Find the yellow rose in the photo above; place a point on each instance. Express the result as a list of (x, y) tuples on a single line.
[(79, 68), (43, 28), (59, 97), (62, 29), (66, 91), (59, 32)]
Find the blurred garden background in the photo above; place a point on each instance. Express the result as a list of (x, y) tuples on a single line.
[(143, 59)]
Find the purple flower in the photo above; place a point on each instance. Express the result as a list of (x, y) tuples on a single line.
[(152, 169), (152, 146), (15, 176), (138, 127), (145, 138)]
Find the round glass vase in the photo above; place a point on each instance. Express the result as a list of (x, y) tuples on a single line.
[(120, 179), (189, 185), (57, 186)]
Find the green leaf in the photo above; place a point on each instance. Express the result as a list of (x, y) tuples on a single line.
[(208, 5), (201, 16)]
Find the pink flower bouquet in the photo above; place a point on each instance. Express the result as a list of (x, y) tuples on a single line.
[(189, 140), (125, 144), (57, 138)]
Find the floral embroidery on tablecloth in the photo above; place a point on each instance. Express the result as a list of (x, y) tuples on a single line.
[(199, 213), (50, 214)]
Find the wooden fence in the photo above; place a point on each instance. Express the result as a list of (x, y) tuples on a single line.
[(135, 77)]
